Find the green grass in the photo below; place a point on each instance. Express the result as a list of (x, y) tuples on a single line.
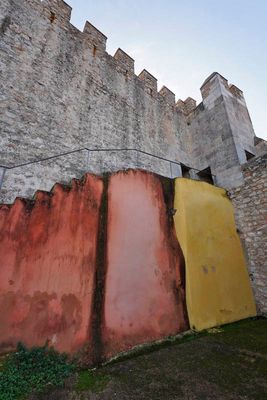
[(237, 350), (92, 380), (32, 370), (247, 334)]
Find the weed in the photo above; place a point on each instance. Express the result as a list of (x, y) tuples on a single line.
[(29, 370), (92, 380)]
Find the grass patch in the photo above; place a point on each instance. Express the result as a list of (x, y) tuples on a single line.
[(94, 381), (229, 331), (32, 370), (249, 334), (150, 347)]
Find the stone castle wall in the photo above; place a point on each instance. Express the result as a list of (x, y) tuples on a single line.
[(61, 91), (250, 202)]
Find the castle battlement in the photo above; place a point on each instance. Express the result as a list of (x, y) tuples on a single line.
[(125, 60), (216, 85), (58, 11), (72, 113), (62, 91), (168, 95), (150, 82), (94, 36), (236, 91), (186, 106)]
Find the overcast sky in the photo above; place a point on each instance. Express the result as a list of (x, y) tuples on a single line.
[(182, 42)]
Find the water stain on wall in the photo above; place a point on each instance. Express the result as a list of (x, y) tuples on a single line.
[(145, 297), (96, 268), (48, 252)]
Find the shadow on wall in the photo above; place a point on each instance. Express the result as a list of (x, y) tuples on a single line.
[(97, 267)]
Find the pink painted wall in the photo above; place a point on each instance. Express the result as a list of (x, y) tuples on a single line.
[(144, 298), (96, 268), (47, 266)]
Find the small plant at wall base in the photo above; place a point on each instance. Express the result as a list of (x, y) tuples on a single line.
[(32, 370)]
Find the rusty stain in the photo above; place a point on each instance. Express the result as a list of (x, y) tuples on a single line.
[(52, 17)]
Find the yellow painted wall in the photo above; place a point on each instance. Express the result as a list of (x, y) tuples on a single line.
[(218, 289)]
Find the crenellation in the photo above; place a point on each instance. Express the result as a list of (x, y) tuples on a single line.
[(199, 109), (180, 106), (77, 99), (215, 86), (236, 91), (212, 83), (187, 106), (57, 11), (63, 98), (168, 95), (97, 38), (190, 105), (126, 62), (150, 82), (260, 146)]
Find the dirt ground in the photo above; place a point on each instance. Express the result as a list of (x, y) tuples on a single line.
[(225, 363)]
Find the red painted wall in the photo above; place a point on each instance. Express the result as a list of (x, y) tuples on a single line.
[(47, 266), (95, 268), (144, 298)]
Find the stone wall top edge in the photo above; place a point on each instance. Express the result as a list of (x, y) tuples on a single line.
[(209, 78), (212, 81), (72, 184), (64, 9), (95, 29), (90, 33), (60, 7), (167, 89), (146, 72), (93, 36), (255, 162), (187, 107), (122, 51)]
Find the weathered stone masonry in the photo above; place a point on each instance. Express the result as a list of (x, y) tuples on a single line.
[(60, 91), (250, 202)]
